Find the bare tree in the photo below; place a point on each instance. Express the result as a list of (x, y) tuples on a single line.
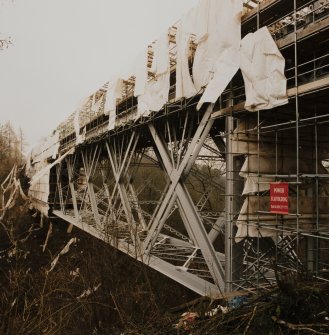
[(11, 147)]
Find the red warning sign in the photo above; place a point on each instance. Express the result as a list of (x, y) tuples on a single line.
[(279, 198)]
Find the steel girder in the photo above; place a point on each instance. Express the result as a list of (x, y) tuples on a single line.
[(163, 224)]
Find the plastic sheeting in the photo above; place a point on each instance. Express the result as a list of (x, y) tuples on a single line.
[(39, 191), (78, 138), (267, 158), (114, 92), (201, 20), (161, 61), (219, 56), (262, 66), (141, 73), (155, 96), (39, 184), (46, 149), (224, 70), (78, 117), (219, 36), (255, 184), (157, 89), (184, 84), (46, 167)]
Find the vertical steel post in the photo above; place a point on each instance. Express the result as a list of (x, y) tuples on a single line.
[(70, 170), (229, 204)]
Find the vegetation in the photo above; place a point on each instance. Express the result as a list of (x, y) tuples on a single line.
[(53, 282), (93, 289), (11, 149)]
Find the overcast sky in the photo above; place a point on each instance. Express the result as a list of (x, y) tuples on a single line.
[(63, 50)]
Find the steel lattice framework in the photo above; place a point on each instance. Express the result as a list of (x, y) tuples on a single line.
[(134, 186)]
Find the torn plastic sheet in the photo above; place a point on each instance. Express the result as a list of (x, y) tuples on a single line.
[(156, 95), (79, 118), (184, 83), (225, 69), (262, 66), (218, 41), (79, 138), (47, 148), (65, 250), (141, 73), (39, 190), (47, 168), (114, 92), (157, 90), (255, 184), (201, 20), (112, 117), (161, 60)]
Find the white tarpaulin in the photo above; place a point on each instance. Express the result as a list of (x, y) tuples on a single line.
[(47, 148), (157, 89), (39, 190), (39, 184), (184, 84), (219, 39), (262, 66), (255, 184), (156, 95), (141, 73), (201, 20), (114, 92), (224, 70), (78, 138), (46, 168), (161, 59)]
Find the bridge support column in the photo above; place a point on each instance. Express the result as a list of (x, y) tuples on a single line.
[(120, 169), (234, 188), (177, 190), (90, 159), (70, 163)]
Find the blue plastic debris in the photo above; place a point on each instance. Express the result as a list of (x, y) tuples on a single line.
[(236, 302)]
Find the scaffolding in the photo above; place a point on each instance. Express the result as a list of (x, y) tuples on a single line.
[(237, 243), (287, 144)]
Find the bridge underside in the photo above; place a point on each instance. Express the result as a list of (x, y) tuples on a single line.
[(187, 192)]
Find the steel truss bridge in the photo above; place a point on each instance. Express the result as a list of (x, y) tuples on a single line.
[(166, 189)]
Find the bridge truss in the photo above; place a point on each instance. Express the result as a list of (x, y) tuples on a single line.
[(147, 187)]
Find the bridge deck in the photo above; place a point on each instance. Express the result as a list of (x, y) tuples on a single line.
[(187, 191)]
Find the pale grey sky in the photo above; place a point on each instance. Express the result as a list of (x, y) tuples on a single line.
[(63, 50)]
